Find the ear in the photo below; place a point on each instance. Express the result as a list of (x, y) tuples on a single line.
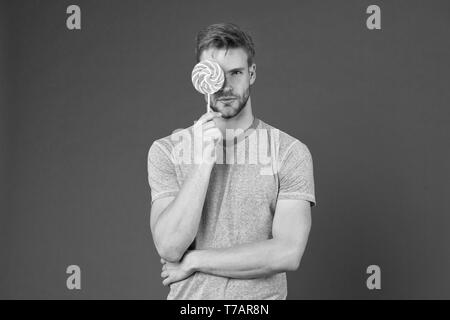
[(252, 71)]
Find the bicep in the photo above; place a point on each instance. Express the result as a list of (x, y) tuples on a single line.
[(292, 222)]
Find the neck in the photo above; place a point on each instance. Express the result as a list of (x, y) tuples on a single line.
[(241, 121)]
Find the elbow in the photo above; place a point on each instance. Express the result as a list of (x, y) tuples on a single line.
[(292, 258), (168, 247), (293, 262), (170, 253), (286, 258)]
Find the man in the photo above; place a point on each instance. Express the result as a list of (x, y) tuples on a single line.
[(227, 229)]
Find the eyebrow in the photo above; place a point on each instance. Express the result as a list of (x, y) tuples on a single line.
[(236, 69)]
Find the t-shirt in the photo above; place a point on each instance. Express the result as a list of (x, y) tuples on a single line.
[(253, 171)]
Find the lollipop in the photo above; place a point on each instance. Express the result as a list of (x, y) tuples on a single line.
[(207, 78)]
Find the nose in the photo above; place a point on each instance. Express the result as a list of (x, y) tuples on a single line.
[(226, 86)]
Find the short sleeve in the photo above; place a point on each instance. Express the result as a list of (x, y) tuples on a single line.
[(296, 177), (161, 173)]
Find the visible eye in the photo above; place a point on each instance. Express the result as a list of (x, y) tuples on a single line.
[(236, 72)]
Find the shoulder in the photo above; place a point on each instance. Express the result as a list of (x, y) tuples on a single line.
[(286, 143), (167, 143)]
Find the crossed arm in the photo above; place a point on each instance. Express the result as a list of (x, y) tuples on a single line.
[(290, 231)]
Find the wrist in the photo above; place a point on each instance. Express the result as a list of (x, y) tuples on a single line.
[(192, 261)]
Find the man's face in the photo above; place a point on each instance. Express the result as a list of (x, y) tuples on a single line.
[(233, 96)]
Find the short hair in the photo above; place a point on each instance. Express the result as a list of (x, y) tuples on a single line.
[(225, 35)]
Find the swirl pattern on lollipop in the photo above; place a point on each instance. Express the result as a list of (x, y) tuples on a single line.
[(207, 77)]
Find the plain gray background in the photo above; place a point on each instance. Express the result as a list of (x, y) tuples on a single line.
[(79, 110)]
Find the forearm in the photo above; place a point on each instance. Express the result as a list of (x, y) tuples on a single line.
[(178, 224), (247, 261)]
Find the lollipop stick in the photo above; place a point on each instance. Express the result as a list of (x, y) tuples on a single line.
[(207, 106)]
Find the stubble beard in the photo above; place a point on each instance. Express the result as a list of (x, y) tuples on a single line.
[(241, 100)]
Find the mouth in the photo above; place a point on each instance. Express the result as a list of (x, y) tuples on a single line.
[(227, 99)]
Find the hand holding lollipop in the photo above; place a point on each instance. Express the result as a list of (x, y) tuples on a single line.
[(207, 78)]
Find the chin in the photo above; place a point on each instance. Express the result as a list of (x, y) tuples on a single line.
[(230, 113), (228, 116)]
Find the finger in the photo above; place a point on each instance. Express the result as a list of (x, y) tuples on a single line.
[(166, 281), (209, 124), (208, 117)]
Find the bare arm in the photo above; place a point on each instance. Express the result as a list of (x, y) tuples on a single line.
[(174, 221), (290, 230)]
